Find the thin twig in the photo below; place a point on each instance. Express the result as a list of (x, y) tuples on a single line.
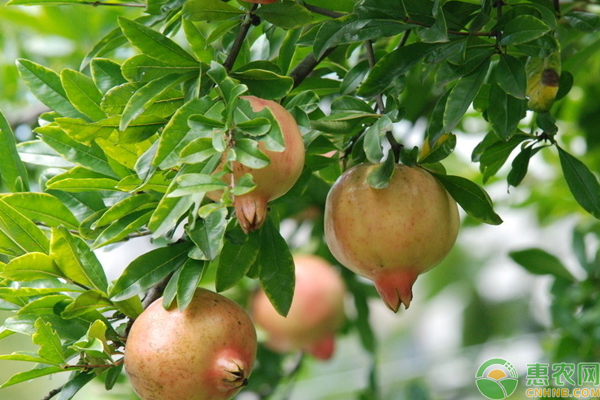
[(53, 393), (396, 147), (323, 11), (93, 366), (306, 66), (239, 40)]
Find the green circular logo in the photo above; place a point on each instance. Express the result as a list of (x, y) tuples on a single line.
[(496, 379)]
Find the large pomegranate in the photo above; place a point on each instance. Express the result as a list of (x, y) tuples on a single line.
[(275, 179), (316, 313), (390, 235), (205, 352)]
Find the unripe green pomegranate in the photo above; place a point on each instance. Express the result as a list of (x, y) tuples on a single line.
[(316, 313), (205, 352), (390, 235), (274, 180)]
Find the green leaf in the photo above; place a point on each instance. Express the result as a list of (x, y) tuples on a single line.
[(236, 260), (584, 21), (49, 342), (30, 267), (23, 235), (90, 157), (86, 302), (520, 165), (523, 29), (243, 185), (505, 112), (265, 84), (29, 375), (197, 41), (37, 152), (76, 260), (142, 68), (174, 137), (75, 384), (373, 138), (208, 234), (197, 184), (12, 170), (116, 99), (189, 278), (155, 44), (285, 14), (276, 268), (381, 175), (582, 183), (149, 269), (510, 76), (22, 356), (45, 84), (110, 41), (198, 151), (540, 262), (462, 95), (471, 197), (441, 150), (82, 93), (128, 205), (148, 95), (106, 74), (248, 153), (209, 10), (119, 230), (42, 207), (393, 65)]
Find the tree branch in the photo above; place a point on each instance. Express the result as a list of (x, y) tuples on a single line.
[(99, 3), (323, 11), (239, 40), (53, 393), (396, 147), (306, 66)]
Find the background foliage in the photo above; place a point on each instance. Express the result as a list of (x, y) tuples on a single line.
[(121, 124)]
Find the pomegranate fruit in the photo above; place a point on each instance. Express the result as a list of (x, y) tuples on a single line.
[(316, 313), (274, 180), (205, 352), (390, 235)]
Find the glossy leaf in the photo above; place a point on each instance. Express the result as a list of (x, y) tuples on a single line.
[(189, 278), (471, 197), (155, 44), (236, 260), (540, 262), (510, 76), (505, 112), (209, 10), (208, 234), (148, 269), (373, 139), (85, 302), (45, 84), (82, 93), (276, 268), (42, 207), (285, 14), (76, 260), (29, 375), (584, 21), (523, 29), (265, 84), (30, 267), (22, 234), (248, 153), (583, 184), (381, 175), (12, 170), (106, 74), (119, 230), (49, 342)]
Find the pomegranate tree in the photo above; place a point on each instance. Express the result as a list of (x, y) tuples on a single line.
[(390, 235), (274, 180), (316, 313), (205, 352)]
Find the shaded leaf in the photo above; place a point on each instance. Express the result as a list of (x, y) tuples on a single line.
[(12, 170), (583, 184), (540, 262)]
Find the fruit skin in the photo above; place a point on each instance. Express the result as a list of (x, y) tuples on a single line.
[(274, 180), (205, 352), (316, 313), (390, 235)]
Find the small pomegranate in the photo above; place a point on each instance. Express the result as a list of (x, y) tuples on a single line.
[(316, 313), (390, 235), (274, 180), (205, 352)]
